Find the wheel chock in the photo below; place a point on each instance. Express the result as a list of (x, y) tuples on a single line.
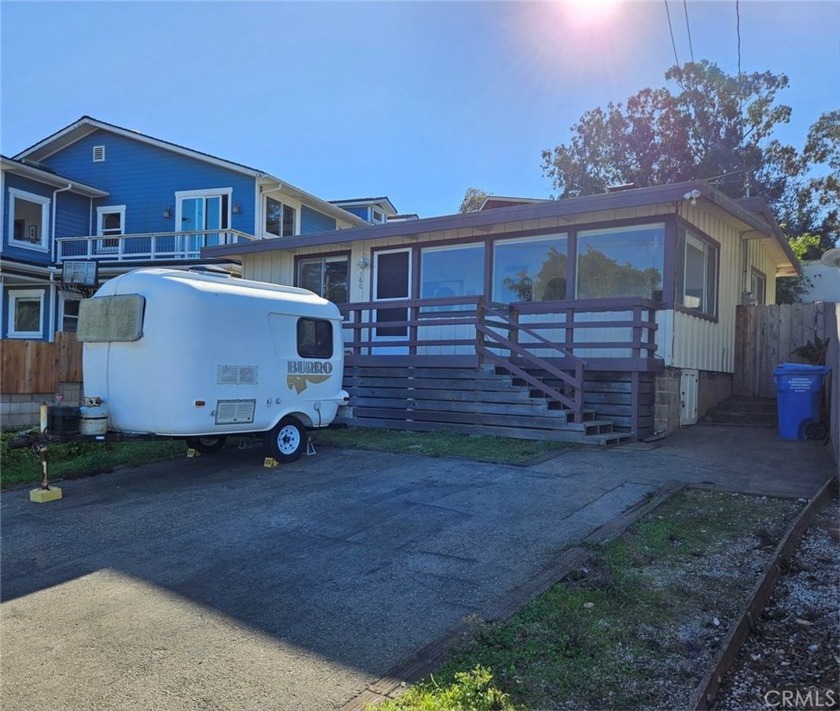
[(193, 452), (42, 496), (270, 463)]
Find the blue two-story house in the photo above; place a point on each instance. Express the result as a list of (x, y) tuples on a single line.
[(94, 200)]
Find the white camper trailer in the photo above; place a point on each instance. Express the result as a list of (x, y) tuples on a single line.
[(200, 356)]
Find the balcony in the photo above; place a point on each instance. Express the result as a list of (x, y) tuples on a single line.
[(146, 247)]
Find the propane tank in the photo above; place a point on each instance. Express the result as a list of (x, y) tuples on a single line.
[(94, 417)]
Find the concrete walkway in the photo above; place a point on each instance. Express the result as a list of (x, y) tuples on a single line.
[(214, 583)]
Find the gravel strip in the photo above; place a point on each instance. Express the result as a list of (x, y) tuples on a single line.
[(793, 661)]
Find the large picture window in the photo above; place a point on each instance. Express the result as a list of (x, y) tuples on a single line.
[(622, 261), (452, 271), (325, 276), (531, 269), (696, 273), (28, 219), (279, 218)]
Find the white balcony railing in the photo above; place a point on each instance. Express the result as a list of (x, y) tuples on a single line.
[(153, 246)]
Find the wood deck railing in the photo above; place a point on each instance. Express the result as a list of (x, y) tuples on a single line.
[(527, 339), (149, 246)]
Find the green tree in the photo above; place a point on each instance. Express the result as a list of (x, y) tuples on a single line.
[(473, 199), (714, 125), (790, 290), (710, 126)]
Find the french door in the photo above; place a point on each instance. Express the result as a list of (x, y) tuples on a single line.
[(197, 211)]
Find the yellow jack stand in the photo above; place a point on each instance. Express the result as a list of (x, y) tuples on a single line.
[(193, 452), (41, 496), (45, 492), (270, 463)]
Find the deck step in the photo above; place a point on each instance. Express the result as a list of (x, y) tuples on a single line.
[(743, 411), (486, 401)]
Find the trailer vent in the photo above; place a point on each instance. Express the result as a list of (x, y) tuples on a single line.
[(234, 412), (236, 374)]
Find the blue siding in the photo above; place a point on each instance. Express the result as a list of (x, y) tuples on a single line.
[(72, 215), (314, 221), (145, 178), (359, 212)]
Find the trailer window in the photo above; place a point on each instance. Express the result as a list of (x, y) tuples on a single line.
[(103, 319), (314, 338)]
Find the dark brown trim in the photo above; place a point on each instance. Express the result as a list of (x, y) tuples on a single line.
[(562, 209), (703, 237), (324, 255)]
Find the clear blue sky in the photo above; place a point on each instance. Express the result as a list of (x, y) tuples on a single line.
[(414, 100)]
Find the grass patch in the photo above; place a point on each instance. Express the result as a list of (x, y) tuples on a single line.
[(637, 626), (77, 459), (441, 444)]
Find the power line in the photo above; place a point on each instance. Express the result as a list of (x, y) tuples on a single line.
[(688, 29), (671, 30), (738, 30)]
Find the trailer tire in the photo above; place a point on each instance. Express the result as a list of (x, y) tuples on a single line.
[(206, 445), (287, 440)]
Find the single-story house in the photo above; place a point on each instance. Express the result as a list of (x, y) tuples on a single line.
[(605, 317)]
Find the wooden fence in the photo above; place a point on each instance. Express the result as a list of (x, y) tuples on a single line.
[(30, 367), (766, 336)]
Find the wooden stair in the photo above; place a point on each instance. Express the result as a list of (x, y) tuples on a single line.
[(462, 399), (743, 411)]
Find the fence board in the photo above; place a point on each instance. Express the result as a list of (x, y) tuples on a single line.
[(30, 367), (767, 335)]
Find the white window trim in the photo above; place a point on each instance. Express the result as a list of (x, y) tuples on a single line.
[(294, 205), (181, 195), (14, 296), (100, 150), (376, 256), (44, 202), (100, 214), (107, 210), (64, 298)]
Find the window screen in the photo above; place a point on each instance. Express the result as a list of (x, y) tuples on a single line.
[(103, 319)]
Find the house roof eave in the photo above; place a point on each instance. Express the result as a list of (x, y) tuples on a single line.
[(325, 206), (87, 125), (564, 208), (54, 179)]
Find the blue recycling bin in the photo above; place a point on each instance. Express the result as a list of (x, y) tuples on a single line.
[(798, 397)]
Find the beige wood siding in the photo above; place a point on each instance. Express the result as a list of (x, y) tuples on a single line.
[(704, 344)]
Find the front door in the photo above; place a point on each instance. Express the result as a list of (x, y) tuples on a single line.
[(391, 281)]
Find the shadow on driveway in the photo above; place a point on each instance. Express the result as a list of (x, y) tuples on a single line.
[(216, 583)]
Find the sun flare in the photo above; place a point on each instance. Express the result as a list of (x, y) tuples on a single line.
[(587, 13)]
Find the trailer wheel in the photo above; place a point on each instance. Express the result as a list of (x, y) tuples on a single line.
[(206, 445), (286, 441)]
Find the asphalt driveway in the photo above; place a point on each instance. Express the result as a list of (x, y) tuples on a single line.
[(214, 583)]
